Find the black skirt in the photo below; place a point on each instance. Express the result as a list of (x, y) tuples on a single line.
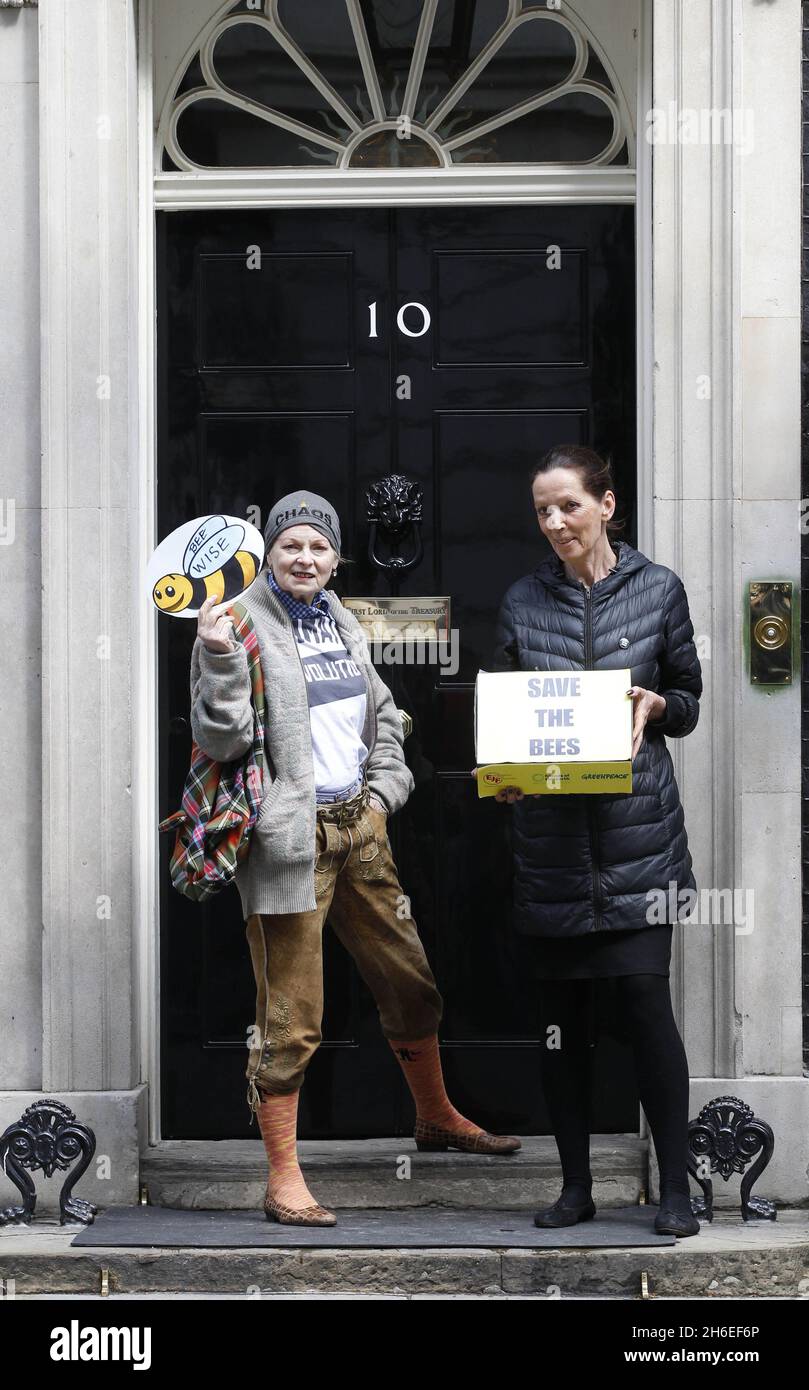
[(601, 955)]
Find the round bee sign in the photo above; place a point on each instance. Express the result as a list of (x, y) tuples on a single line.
[(210, 555)]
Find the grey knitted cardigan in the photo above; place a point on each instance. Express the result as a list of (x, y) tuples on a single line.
[(278, 874)]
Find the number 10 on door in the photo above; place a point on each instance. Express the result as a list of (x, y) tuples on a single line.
[(400, 323)]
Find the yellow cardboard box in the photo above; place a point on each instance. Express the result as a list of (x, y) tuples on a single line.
[(553, 732)]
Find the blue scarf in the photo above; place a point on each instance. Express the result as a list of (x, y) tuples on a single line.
[(317, 609)]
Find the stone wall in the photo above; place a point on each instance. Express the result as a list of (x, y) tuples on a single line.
[(805, 538), (20, 549)]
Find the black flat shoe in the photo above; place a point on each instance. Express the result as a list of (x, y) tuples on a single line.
[(671, 1223), (564, 1214)]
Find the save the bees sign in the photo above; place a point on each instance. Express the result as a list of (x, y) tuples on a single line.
[(553, 731)]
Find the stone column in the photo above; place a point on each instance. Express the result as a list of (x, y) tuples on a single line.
[(88, 264), (726, 180)]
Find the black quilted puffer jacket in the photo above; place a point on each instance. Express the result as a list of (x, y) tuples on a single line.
[(586, 863)]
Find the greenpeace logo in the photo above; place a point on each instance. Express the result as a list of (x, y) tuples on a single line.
[(75, 1343)]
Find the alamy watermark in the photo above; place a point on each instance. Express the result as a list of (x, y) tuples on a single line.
[(417, 651), (702, 906), (673, 124)]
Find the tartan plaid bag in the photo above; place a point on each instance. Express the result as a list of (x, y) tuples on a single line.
[(220, 800)]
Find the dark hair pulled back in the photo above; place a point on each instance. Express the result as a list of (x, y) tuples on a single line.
[(595, 473)]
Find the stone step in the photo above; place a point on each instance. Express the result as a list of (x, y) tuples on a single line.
[(231, 1174), (728, 1259)]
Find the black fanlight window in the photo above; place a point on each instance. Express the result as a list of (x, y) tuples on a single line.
[(387, 83)]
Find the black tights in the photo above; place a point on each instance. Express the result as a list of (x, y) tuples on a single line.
[(643, 1004)]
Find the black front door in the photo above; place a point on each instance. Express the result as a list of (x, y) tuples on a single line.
[(325, 350)]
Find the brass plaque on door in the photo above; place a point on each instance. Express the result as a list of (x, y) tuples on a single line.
[(402, 619), (770, 618)]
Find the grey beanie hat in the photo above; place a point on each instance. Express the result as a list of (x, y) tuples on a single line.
[(303, 509)]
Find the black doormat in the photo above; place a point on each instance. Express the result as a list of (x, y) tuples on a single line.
[(421, 1228)]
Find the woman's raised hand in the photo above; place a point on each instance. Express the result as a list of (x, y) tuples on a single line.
[(215, 625)]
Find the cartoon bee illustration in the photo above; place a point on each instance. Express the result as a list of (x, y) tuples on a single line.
[(212, 564)]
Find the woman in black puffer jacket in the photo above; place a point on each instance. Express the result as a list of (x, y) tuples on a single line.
[(597, 876)]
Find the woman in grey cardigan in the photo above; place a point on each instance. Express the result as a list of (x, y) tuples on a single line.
[(319, 848)]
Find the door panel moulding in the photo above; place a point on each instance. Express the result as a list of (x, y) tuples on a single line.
[(176, 192)]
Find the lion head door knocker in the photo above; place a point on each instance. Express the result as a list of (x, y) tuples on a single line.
[(394, 511)]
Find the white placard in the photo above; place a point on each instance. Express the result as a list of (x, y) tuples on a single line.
[(553, 716)]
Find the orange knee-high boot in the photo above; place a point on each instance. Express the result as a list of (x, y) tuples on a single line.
[(287, 1199), (438, 1124)]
